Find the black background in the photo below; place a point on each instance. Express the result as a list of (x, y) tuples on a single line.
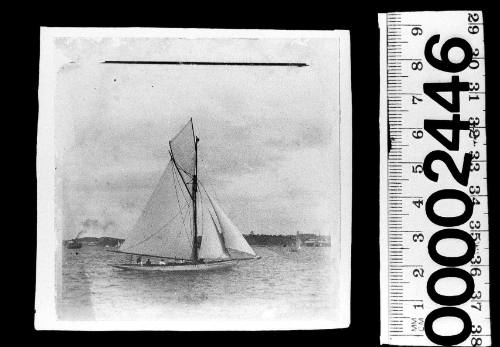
[(362, 21)]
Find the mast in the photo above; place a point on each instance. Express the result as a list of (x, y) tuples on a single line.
[(195, 189)]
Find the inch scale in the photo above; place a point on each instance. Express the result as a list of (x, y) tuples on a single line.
[(433, 191)]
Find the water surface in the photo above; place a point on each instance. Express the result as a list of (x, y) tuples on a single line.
[(281, 285)]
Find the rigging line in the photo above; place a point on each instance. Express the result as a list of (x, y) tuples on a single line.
[(202, 222), (184, 223), (177, 167), (202, 165), (210, 201), (203, 186), (182, 190), (202, 216), (199, 182), (182, 233), (190, 175), (201, 197), (188, 238), (176, 179), (208, 196), (183, 170), (218, 223)]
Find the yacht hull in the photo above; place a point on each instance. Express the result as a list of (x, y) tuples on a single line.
[(178, 267)]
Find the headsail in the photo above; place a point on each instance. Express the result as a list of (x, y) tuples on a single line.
[(233, 238), (183, 151), (212, 245), (164, 229)]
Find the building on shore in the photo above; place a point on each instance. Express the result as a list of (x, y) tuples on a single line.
[(317, 241)]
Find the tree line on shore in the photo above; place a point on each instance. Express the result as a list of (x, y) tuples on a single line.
[(252, 238)]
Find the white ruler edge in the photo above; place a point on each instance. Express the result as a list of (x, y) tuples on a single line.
[(447, 24), (384, 261)]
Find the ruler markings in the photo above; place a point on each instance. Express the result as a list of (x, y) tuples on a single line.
[(405, 35)]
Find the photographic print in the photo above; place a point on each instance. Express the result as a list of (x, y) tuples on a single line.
[(193, 179)]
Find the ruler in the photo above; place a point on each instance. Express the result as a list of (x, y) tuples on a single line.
[(433, 192)]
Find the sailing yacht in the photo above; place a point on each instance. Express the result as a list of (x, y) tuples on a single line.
[(182, 223)]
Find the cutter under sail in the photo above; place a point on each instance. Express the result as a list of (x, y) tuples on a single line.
[(179, 214)]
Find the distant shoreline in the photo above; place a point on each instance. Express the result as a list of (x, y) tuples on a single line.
[(252, 239)]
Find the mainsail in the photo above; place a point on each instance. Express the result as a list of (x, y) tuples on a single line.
[(164, 228), (170, 223)]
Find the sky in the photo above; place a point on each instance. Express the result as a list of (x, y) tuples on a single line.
[(269, 138)]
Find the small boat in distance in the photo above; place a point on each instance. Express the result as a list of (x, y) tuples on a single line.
[(182, 223), (296, 246), (73, 244)]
